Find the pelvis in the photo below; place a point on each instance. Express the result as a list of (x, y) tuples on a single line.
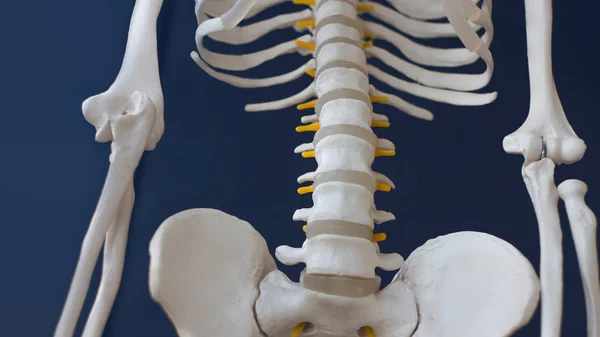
[(213, 275)]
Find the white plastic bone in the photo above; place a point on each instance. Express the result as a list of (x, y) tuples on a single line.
[(130, 114), (227, 20), (404, 106), (380, 216), (298, 98), (310, 176), (130, 126), (546, 122), (381, 144), (424, 9), (432, 78), (216, 8), (138, 73), (425, 55), (283, 304), (434, 94), (460, 14), (583, 227), (250, 33), (410, 26), (539, 179), (470, 284), (112, 266), (242, 82), (329, 254), (247, 61), (205, 269)]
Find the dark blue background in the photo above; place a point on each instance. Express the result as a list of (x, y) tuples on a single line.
[(451, 174)]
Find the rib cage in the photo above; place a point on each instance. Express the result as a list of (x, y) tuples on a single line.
[(344, 214)]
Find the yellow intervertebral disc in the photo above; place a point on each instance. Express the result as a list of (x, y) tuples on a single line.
[(364, 8), (367, 44), (310, 72)]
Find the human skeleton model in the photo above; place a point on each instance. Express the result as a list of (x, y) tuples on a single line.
[(463, 284)]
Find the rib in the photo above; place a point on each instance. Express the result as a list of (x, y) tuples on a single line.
[(284, 103), (218, 8), (406, 107), (438, 95), (250, 33), (247, 61), (418, 53), (242, 82), (431, 78), (412, 27)]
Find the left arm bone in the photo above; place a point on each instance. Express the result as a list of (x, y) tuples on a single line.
[(130, 114)]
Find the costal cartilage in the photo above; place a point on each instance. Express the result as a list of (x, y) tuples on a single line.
[(546, 128), (130, 114), (583, 228), (539, 179)]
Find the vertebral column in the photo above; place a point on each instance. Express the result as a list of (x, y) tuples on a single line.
[(339, 254)]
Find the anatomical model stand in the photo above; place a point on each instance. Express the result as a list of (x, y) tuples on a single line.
[(462, 284)]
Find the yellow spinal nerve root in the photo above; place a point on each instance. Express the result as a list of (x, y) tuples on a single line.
[(298, 330)]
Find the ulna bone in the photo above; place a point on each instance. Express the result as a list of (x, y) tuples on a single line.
[(583, 228), (470, 284), (205, 268), (539, 180)]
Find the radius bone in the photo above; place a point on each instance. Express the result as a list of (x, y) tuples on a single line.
[(583, 228)]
